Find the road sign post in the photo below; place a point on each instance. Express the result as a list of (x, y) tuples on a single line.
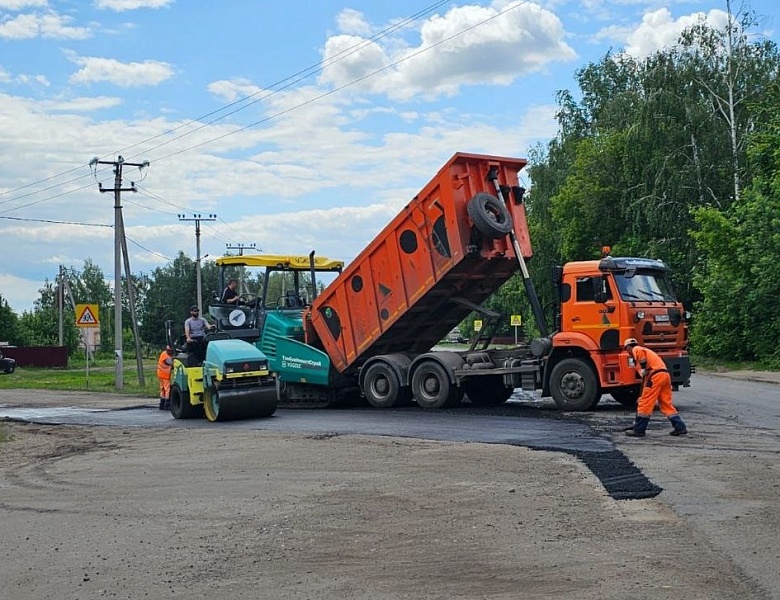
[(516, 321), (87, 317)]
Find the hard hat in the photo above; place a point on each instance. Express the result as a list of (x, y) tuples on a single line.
[(169, 349), (630, 342)]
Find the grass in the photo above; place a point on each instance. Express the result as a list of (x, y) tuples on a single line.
[(100, 378), (706, 363)]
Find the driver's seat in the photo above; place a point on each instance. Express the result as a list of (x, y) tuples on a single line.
[(293, 300)]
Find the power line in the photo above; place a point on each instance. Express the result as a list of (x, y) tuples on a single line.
[(275, 87), (56, 222)]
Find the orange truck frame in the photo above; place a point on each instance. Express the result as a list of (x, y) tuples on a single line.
[(373, 330)]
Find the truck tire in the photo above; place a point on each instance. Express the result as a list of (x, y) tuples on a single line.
[(626, 396), (487, 391), (432, 388), (491, 217), (381, 386), (180, 404), (574, 386)]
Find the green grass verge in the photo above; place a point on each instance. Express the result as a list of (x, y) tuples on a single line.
[(99, 378), (706, 363)]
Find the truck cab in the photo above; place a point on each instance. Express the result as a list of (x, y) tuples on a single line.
[(604, 302)]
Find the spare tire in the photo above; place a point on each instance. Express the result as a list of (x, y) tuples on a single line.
[(491, 216)]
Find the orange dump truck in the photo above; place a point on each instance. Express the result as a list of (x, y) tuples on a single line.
[(374, 328)]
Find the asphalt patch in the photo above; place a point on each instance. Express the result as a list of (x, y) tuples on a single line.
[(621, 478)]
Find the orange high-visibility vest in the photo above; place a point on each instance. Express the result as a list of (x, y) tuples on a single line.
[(164, 364)]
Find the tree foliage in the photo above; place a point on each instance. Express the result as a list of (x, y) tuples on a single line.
[(9, 324), (739, 267), (670, 157)]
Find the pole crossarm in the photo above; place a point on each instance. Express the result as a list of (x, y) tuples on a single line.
[(197, 218)]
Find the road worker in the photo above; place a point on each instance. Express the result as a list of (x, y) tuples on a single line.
[(164, 364), (656, 388)]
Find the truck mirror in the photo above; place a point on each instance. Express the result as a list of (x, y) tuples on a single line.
[(599, 289)]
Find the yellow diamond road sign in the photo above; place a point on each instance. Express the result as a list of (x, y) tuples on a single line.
[(87, 315), (516, 320)]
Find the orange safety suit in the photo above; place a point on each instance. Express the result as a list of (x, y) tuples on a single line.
[(164, 364), (656, 383)]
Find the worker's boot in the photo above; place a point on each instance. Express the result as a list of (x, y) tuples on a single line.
[(639, 427), (679, 426), (166, 404), (162, 404)]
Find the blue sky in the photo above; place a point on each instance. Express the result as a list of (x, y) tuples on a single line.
[(301, 126)]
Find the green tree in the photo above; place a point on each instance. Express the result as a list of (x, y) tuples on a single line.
[(40, 326), (9, 324), (739, 270), (170, 292)]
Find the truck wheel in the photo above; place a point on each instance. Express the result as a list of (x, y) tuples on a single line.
[(381, 386), (626, 396), (574, 386), (10, 369), (432, 387), (487, 391), (180, 404), (491, 217)]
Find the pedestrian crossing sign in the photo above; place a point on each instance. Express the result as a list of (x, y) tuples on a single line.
[(87, 315)]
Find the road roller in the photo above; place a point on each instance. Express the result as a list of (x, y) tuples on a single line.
[(223, 379)]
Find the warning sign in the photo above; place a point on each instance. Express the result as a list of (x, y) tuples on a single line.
[(516, 320), (87, 315)]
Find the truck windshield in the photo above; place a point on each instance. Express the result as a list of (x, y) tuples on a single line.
[(646, 285)]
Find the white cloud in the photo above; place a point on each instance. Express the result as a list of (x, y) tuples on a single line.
[(132, 74), (659, 30), (49, 25), (84, 104), (21, 4), (232, 90), (469, 45), (23, 79), (352, 21), (18, 292), (124, 5), (33, 80)]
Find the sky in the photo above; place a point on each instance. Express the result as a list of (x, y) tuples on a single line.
[(283, 127)]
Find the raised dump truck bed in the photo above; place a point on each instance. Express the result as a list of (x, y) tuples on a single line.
[(447, 250), (372, 331)]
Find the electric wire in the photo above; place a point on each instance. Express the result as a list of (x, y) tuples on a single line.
[(275, 88)]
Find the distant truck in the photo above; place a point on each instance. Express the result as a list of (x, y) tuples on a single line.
[(373, 329)]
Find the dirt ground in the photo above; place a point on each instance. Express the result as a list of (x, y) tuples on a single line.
[(102, 512)]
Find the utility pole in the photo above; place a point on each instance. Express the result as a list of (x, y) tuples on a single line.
[(241, 247), (197, 218), (118, 164), (61, 304)]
